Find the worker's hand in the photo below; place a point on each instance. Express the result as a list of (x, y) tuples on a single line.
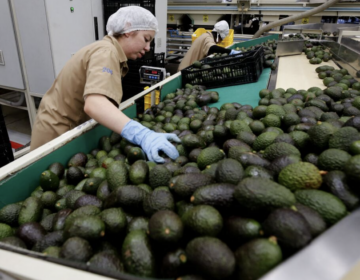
[(234, 52), (151, 142)]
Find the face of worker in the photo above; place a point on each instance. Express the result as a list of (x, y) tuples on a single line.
[(136, 43)]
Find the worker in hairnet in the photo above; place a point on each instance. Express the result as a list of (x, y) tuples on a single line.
[(206, 45), (89, 86)]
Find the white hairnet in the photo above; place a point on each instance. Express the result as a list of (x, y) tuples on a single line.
[(222, 28), (129, 19)]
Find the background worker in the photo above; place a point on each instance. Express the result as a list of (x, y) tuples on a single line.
[(89, 86), (206, 45)]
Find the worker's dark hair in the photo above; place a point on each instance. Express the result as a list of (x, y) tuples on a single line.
[(214, 33)]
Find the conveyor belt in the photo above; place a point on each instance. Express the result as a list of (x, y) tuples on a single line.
[(247, 94), (295, 71)]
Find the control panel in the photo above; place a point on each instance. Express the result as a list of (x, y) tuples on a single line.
[(151, 75)]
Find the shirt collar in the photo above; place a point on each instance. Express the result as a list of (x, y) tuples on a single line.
[(122, 57)]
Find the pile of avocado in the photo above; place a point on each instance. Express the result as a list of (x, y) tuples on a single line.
[(317, 54), (251, 187)]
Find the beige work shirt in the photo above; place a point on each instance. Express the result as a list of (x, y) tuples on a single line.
[(94, 69), (199, 49)]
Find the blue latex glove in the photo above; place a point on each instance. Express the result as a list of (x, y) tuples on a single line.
[(234, 52), (150, 141)]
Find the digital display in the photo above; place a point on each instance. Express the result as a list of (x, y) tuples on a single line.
[(156, 72)]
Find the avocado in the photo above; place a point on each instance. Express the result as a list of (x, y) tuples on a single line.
[(239, 230), (88, 210), (185, 170), (59, 219), (55, 238), (48, 199), (30, 211), (320, 135), (79, 159), (290, 228), (342, 138), (173, 263), (316, 223), (262, 194), (49, 181), (186, 184), (5, 231), (258, 171), (130, 198), (134, 154), (47, 222), (114, 220), (211, 257), (65, 189), (138, 223), (217, 195), (336, 183), (165, 227), (87, 227), (257, 257), (117, 175), (30, 233), (300, 175), (193, 141), (71, 197), (333, 159), (57, 168), (281, 162), (229, 171), (105, 144), (159, 176), (106, 261), (74, 175), (137, 254), (158, 199), (14, 241), (203, 220), (76, 249), (248, 158), (9, 214), (91, 185), (330, 208), (277, 150), (60, 204), (88, 199), (103, 191), (208, 156), (139, 172), (99, 172)]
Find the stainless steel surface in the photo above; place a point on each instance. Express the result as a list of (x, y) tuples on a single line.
[(310, 26), (178, 39), (178, 50), (289, 47), (328, 257), (179, 45), (332, 27), (345, 56)]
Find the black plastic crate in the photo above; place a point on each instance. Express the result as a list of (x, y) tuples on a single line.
[(231, 70), (130, 91), (158, 60), (6, 154)]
